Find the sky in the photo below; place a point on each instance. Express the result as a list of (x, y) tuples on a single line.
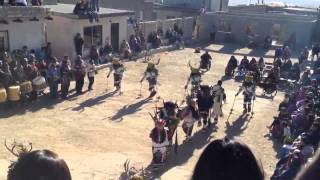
[(304, 3)]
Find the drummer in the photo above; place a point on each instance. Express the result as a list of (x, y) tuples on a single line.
[(6, 78), (30, 72)]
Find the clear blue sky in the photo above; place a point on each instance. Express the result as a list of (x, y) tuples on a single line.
[(308, 3)]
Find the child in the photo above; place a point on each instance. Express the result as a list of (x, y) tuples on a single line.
[(91, 69)]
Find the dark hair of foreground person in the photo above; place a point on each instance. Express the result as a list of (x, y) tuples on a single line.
[(227, 160), (39, 165)]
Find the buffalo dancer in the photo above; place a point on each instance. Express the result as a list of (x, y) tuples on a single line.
[(195, 80), (118, 69), (205, 103), (248, 89), (151, 74), (190, 115)]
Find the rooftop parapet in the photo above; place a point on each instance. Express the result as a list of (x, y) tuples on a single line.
[(7, 12)]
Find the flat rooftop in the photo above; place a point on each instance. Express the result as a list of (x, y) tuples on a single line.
[(67, 11)]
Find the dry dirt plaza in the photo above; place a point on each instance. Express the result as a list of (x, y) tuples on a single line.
[(97, 132)]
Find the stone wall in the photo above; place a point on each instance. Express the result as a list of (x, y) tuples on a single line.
[(261, 25), (150, 26)]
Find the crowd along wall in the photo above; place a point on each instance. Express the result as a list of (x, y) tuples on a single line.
[(187, 25), (262, 25)]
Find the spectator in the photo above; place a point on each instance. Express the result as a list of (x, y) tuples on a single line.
[(78, 44), (213, 33), (80, 72), (227, 160), (91, 69), (25, 52), (36, 2), (311, 172), (49, 52), (1, 2), (41, 54), (94, 55), (65, 75), (95, 5), (81, 8), (125, 49), (21, 3), (315, 51), (12, 2), (53, 77), (107, 49)]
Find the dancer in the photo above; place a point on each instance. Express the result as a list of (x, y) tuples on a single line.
[(151, 74), (219, 96), (195, 79), (118, 69), (248, 89)]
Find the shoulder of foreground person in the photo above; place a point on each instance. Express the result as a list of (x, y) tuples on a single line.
[(312, 171)]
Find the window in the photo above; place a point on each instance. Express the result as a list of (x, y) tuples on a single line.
[(92, 36), (4, 44)]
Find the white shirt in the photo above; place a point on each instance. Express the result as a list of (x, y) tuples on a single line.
[(22, 1), (91, 68), (286, 132)]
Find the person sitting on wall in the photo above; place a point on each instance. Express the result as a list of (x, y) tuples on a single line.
[(21, 3), (82, 9), (36, 2)]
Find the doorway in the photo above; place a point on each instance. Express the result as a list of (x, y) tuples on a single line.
[(4, 41), (115, 36)]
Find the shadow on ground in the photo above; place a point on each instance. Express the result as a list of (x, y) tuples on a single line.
[(237, 127), (42, 102), (93, 101), (130, 109)]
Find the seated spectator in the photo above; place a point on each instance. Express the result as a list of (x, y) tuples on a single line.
[(82, 9), (315, 51), (288, 167), (107, 49), (36, 2), (311, 171), (227, 160), (21, 3)]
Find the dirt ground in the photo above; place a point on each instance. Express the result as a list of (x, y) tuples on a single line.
[(97, 132)]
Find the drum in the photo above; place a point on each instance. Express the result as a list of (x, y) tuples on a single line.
[(3, 95), (14, 93), (39, 83), (26, 87)]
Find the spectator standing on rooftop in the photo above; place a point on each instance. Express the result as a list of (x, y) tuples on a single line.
[(95, 5), (49, 52), (78, 43)]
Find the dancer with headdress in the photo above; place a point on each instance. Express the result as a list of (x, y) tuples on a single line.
[(118, 68), (248, 89), (151, 74), (194, 79)]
